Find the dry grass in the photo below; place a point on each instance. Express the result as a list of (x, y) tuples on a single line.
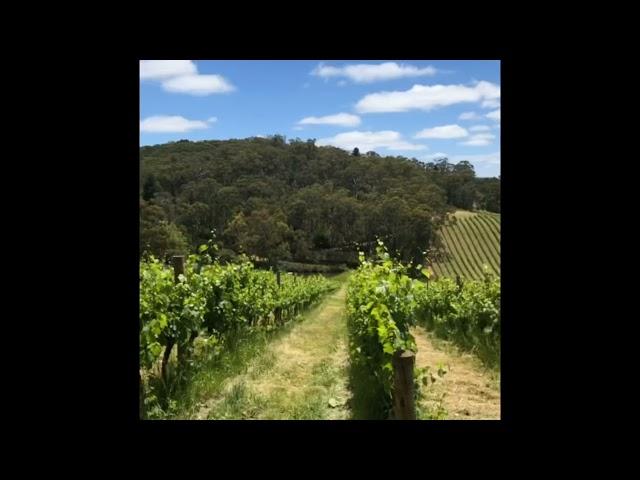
[(463, 214), (298, 374), (470, 392)]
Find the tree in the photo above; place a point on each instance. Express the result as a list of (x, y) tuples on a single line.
[(150, 187), (163, 240), (261, 233), (294, 199)]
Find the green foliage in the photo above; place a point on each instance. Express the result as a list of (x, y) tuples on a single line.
[(380, 310), (220, 301), (469, 316), (159, 236), (296, 196), (488, 194)]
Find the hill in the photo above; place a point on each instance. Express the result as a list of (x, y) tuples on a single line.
[(470, 240), (294, 201)]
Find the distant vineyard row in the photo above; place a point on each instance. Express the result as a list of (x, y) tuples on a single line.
[(471, 242)]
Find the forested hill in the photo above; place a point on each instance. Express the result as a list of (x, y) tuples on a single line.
[(295, 201)]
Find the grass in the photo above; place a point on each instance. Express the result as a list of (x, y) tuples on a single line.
[(208, 376), (299, 372)]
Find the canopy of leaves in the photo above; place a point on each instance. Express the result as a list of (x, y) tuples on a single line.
[(293, 200)]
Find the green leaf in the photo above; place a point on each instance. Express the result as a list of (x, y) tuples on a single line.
[(202, 248)]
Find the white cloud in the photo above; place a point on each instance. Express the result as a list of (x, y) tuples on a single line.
[(366, 141), (490, 103), (298, 127), (198, 85), (340, 119), (479, 139), (170, 124), (492, 158), (480, 128), (162, 69), (469, 116), (212, 119), (261, 136), (444, 131), (181, 76), (368, 73), (429, 158), (489, 158), (426, 97), (495, 115)]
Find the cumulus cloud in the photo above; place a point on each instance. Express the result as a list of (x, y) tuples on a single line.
[(469, 116), (162, 69), (485, 158), (444, 131), (365, 141), (181, 76), (170, 124), (434, 156), (427, 97), (212, 119), (491, 103), (198, 85), (480, 128), (368, 73), (495, 115), (479, 140), (339, 119), (491, 158)]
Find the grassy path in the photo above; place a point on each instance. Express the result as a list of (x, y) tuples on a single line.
[(301, 375), (467, 391)]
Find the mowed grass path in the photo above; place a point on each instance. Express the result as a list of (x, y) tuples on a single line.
[(467, 391), (301, 375)]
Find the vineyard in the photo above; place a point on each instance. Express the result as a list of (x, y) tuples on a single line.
[(201, 298), (471, 243), (205, 311)]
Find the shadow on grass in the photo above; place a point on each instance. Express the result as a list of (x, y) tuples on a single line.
[(368, 400)]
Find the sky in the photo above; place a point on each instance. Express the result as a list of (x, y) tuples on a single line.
[(416, 108)]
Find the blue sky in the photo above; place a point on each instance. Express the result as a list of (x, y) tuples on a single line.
[(414, 108)]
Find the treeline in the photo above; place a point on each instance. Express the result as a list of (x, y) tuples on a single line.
[(280, 200)]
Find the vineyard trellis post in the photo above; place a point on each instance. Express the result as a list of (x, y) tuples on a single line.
[(183, 348), (403, 388), (278, 312), (178, 266), (178, 269)]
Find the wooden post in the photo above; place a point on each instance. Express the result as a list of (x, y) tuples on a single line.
[(278, 312), (403, 389), (141, 408), (178, 266)]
